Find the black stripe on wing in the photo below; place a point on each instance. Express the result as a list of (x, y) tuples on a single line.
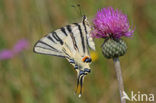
[(57, 38), (64, 31), (50, 48), (85, 29), (83, 22), (81, 35), (50, 38), (53, 55), (72, 37)]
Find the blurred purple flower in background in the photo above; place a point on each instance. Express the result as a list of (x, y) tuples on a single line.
[(111, 23), (6, 54), (20, 46)]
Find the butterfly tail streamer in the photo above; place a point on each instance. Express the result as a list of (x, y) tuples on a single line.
[(80, 81)]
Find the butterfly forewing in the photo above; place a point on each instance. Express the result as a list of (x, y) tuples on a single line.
[(52, 44), (73, 36), (44, 48)]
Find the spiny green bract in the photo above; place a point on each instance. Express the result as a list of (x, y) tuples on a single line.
[(114, 48)]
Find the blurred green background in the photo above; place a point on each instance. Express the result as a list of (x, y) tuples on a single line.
[(34, 78)]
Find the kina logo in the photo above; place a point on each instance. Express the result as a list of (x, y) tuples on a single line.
[(140, 97)]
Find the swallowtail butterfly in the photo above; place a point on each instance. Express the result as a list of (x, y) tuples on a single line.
[(70, 42)]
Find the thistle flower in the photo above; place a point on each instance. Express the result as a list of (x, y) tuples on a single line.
[(20, 46), (111, 23), (6, 54)]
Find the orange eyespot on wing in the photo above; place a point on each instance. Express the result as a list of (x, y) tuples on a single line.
[(87, 59), (84, 58)]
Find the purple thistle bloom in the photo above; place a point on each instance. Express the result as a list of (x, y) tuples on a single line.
[(20, 46), (6, 54), (111, 23)]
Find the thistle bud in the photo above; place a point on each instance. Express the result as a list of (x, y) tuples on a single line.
[(114, 48)]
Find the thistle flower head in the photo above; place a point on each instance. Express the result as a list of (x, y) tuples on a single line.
[(111, 23)]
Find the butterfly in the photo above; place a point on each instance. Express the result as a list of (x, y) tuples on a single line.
[(70, 42)]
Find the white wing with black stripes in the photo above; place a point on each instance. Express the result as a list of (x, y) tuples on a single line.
[(70, 42), (51, 44)]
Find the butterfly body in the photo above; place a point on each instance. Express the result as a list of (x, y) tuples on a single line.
[(70, 42)]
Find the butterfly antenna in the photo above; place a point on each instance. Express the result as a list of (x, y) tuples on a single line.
[(80, 10), (73, 6), (78, 7)]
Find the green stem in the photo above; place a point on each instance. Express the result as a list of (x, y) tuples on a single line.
[(119, 77)]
